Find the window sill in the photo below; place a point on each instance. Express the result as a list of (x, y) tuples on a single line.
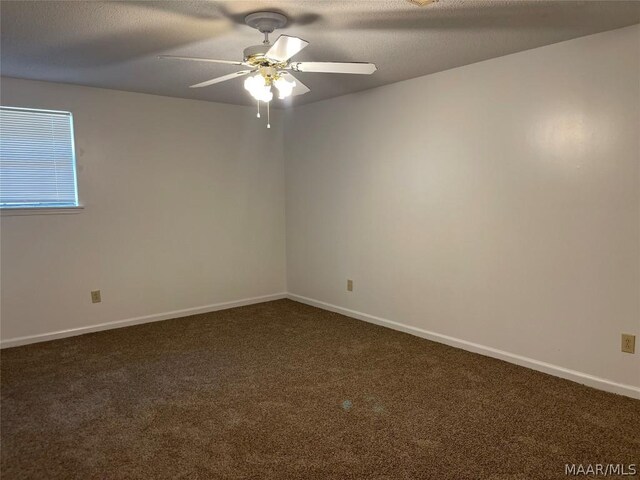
[(14, 212)]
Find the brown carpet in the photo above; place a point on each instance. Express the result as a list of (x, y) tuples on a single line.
[(282, 390)]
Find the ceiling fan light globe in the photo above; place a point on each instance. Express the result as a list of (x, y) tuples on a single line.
[(285, 87), (267, 95), (254, 82), (263, 94), (257, 87)]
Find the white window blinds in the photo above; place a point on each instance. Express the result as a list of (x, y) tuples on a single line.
[(37, 160)]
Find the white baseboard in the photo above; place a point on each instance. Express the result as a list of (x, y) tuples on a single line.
[(573, 375), (44, 337)]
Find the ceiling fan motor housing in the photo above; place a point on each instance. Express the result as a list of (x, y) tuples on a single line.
[(255, 51)]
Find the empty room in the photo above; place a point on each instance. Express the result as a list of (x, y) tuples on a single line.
[(328, 239)]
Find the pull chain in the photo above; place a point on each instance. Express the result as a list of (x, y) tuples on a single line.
[(258, 115), (268, 116)]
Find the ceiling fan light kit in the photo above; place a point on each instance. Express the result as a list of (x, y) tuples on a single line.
[(271, 63)]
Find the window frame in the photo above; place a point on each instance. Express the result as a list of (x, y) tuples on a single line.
[(49, 209)]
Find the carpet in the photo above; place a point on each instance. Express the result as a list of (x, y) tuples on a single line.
[(282, 390)]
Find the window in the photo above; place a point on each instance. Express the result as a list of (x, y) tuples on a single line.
[(37, 159)]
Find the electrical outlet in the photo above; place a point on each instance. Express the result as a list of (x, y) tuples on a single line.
[(628, 343), (349, 285), (95, 296)]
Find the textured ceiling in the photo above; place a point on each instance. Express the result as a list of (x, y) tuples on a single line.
[(113, 44)]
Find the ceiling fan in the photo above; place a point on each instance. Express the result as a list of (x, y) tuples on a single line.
[(272, 65)]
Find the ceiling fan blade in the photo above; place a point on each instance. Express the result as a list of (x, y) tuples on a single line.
[(224, 78), (359, 68), (285, 47), (198, 59), (300, 88)]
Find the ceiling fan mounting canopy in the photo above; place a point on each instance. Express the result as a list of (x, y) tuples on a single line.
[(265, 22)]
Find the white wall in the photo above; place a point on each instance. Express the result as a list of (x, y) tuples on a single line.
[(184, 207), (497, 203)]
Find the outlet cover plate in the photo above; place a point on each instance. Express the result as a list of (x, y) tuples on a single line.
[(95, 296), (628, 343)]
